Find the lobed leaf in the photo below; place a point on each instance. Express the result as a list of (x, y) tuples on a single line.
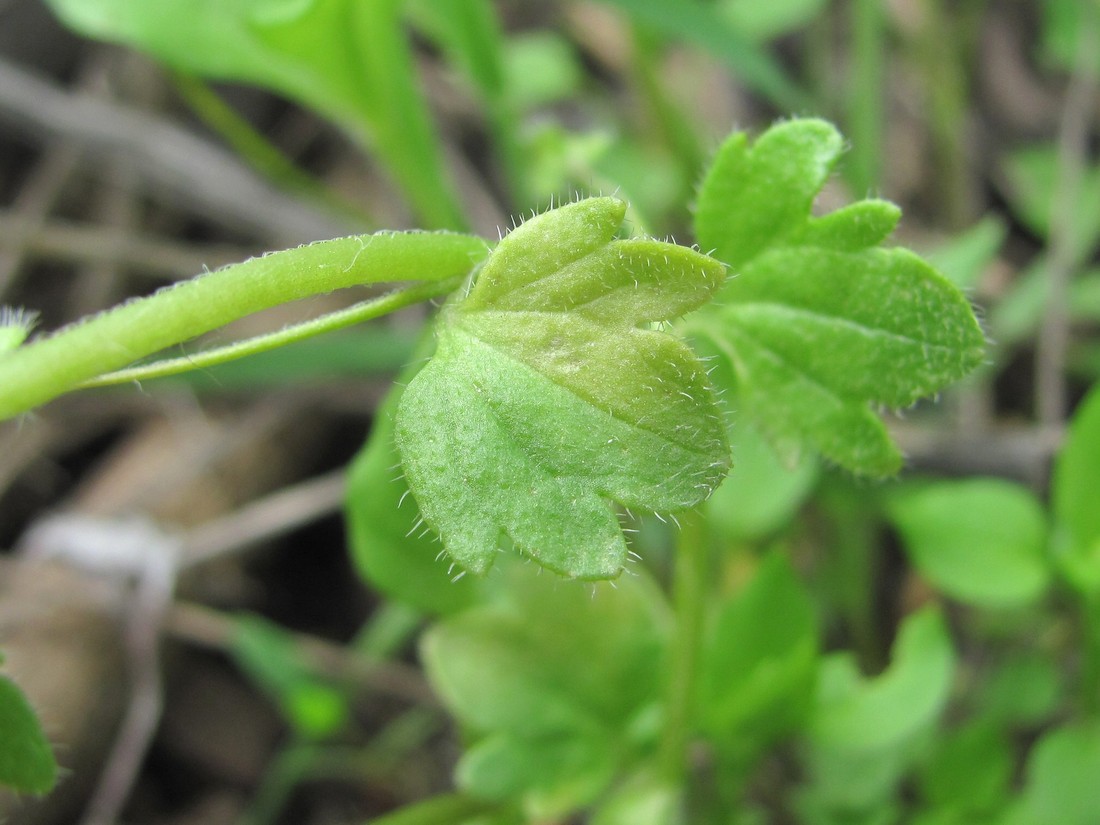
[(545, 729), (817, 324), (550, 394)]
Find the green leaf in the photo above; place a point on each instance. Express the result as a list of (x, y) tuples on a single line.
[(347, 59), (1024, 690), (554, 678), (965, 257), (389, 550), (757, 674), (1060, 786), (817, 325), (765, 21), (26, 761), (550, 394), (969, 770), (855, 714), (981, 540), (555, 772), (1032, 178), (762, 495), (268, 654), (1073, 491)]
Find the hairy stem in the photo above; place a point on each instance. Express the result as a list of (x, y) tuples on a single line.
[(362, 311), (46, 368)]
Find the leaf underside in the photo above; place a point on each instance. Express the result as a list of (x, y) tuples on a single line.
[(817, 325), (551, 395)]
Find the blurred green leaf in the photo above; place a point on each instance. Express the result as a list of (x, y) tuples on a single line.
[(1060, 786), (1063, 22), (1074, 487), (347, 59), (760, 495), (969, 770), (857, 714), (552, 678), (270, 656), (765, 21), (551, 394), (641, 799), (26, 760), (1032, 176), (966, 256), (1024, 690), (760, 659), (1019, 314), (979, 540), (542, 68), (817, 324)]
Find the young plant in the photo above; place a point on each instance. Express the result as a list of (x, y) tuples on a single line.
[(560, 397)]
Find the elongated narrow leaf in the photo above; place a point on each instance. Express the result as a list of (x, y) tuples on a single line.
[(817, 324), (550, 395)]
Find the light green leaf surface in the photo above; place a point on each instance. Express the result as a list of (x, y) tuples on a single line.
[(552, 679), (980, 540), (26, 761), (816, 324), (550, 396), (1074, 493)]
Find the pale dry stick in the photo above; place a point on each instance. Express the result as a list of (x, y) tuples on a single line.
[(1053, 343), (267, 518), (31, 208), (65, 241), (196, 173), (45, 183)]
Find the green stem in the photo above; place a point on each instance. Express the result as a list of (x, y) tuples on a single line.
[(363, 311), (673, 128), (865, 119), (692, 572), (46, 368)]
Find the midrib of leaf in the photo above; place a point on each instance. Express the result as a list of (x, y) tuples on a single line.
[(796, 313), (689, 446)]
